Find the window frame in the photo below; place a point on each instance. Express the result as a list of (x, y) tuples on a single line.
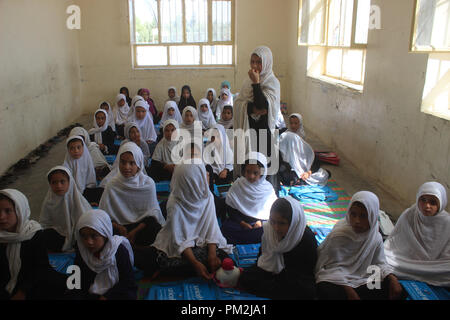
[(167, 45)]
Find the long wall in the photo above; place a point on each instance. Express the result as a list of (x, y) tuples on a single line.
[(381, 130), (40, 78)]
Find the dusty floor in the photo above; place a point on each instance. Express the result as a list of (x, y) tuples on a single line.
[(32, 181)]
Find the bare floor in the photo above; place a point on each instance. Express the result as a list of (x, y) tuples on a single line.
[(32, 181)]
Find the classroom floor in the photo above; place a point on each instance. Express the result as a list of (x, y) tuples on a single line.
[(33, 183)]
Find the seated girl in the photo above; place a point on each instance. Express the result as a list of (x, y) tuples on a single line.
[(61, 209), (172, 94), (144, 120), (225, 99), (190, 121), (354, 245), (130, 199), (205, 114), (126, 93), (226, 118), (171, 112), (212, 98), (105, 261), (145, 94), (79, 161), (297, 162), (102, 133), (133, 134), (288, 256), (105, 106), (25, 272), (191, 241), (120, 112), (162, 166), (296, 125), (186, 99), (248, 202), (220, 155), (419, 248)]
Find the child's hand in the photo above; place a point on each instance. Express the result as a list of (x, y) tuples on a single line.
[(254, 75), (102, 146), (214, 263), (202, 271), (169, 167), (20, 295), (245, 225), (258, 224), (132, 236), (122, 230), (395, 288), (351, 293)]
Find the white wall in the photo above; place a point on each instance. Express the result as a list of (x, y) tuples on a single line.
[(40, 82), (381, 130)]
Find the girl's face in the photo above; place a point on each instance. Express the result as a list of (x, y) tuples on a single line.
[(127, 166), (123, 91), (359, 219), (279, 224), (256, 63), (140, 113), (105, 107), (145, 95), (188, 118), (100, 118), (168, 130), (135, 135), (59, 183), (428, 205), (225, 86), (92, 240), (204, 108), (76, 149), (210, 96), (252, 172), (171, 112), (186, 94), (224, 96), (121, 103), (227, 114), (171, 93), (8, 217), (294, 123)]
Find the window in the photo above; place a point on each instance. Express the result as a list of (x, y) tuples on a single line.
[(335, 32), (182, 33), (431, 34)]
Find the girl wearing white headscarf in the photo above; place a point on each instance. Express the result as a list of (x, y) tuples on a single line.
[(60, 213), (285, 267), (190, 126), (212, 99), (120, 112), (131, 202), (298, 129), (248, 204), (348, 253), (162, 166), (207, 117), (25, 269), (103, 135), (192, 228), (173, 98), (223, 101), (137, 139), (106, 271), (135, 99), (111, 118), (176, 113), (146, 123), (419, 246), (297, 165)]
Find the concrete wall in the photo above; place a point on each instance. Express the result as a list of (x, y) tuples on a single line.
[(381, 130), (106, 63), (40, 81)]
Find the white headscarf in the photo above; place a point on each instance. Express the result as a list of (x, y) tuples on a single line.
[(419, 246), (222, 153), (61, 213), (270, 87), (111, 116), (191, 213), (96, 130), (164, 148), (207, 118), (97, 156), (253, 199), (121, 113), (227, 124), (344, 255), (300, 156), (142, 144), (221, 103), (176, 99), (129, 200), (272, 249), (135, 99), (190, 127), (145, 125), (177, 116), (83, 168), (106, 266), (300, 131), (215, 101), (25, 230)]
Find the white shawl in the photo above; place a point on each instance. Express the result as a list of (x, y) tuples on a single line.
[(207, 118), (272, 249), (344, 255), (25, 230), (300, 131), (177, 116), (97, 156), (191, 214), (121, 113), (221, 103), (83, 168), (300, 156), (61, 213), (135, 99), (164, 148), (215, 101), (191, 127), (142, 144), (218, 153), (111, 116), (253, 199), (96, 130), (419, 246), (129, 200), (145, 125), (105, 266)]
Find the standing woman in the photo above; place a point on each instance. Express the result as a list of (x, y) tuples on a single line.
[(258, 103)]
